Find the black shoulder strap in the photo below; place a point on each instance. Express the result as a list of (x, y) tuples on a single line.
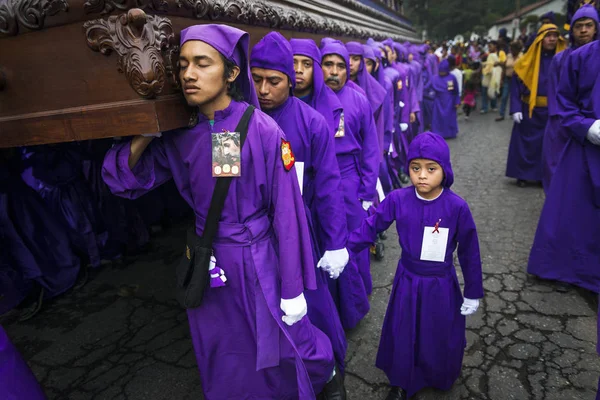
[(222, 187)]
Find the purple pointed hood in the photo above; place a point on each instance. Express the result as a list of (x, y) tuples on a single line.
[(332, 46), (274, 52), (233, 44), (322, 98), (374, 91), (432, 146)]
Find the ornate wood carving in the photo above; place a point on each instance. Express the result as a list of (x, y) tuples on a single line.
[(257, 12), (107, 6), (28, 13), (144, 44)]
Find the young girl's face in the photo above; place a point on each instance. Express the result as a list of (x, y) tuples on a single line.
[(426, 176)]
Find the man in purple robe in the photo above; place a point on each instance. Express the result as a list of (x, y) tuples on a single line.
[(357, 150), (376, 93), (565, 247), (272, 67), (446, 101), (529, 106), (310, 85), (245, 345), (373, 65), (17, 382), (584, 29)]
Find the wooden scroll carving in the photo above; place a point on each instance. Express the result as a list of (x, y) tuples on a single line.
[(144, 44), (107, 6), (27, 13)]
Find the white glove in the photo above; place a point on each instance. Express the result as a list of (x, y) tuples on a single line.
[(157, 134), (517, 117), (334, 262), (294, 309), (366, 205), (469, 306), (593, 134), (403, 127)]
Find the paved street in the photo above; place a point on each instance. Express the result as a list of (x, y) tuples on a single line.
[(123, 336)]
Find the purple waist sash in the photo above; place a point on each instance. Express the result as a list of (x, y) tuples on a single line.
[(268, 314)]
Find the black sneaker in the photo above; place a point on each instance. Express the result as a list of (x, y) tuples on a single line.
[(335, 389), (396, 393)]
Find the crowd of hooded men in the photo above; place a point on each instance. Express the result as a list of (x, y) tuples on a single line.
[(337, 128)]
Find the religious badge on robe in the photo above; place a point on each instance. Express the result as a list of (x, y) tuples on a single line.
[(399, 84), (450, 86), (341, 130), (287, 155), (226, 154)]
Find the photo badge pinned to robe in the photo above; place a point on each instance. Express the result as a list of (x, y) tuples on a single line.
[(450, 86), (287, 155), (435, 241), (226, 154), (341, 127)]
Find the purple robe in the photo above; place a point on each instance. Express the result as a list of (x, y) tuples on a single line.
[(262, 244), (56, 173), (525, 150), (243, 348), (358, 158), (565, 247), (313, 146), (322, 98), (429, 72), (423, 335), (17, 382), (446, 99), (35, 245), (555, 136)]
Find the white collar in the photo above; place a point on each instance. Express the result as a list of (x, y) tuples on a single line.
[(423, 198)]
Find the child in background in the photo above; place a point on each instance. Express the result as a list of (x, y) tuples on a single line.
[(469, 101), (423, 336)]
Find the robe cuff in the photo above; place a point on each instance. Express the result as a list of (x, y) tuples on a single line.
[(473, 291), (141, 176), (291, 290)]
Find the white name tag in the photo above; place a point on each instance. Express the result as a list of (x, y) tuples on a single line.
[(434, 244), (299, 165)]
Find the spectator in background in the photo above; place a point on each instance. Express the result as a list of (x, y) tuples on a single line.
[(509, 68)]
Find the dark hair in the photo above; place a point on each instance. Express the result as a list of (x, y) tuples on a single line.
[(232, 88)]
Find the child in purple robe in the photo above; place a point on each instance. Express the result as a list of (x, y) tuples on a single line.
[(423, 336)]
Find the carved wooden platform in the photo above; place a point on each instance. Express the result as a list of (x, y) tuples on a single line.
[(74, 69)]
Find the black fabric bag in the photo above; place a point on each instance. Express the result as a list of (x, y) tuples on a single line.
[(192, 273)]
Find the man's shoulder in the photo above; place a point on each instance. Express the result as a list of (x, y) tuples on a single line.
[(312, 116)]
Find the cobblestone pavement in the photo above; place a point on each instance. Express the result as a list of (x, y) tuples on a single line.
[(122, 336)]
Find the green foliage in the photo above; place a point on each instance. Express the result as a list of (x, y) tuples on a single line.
[(444, 19)]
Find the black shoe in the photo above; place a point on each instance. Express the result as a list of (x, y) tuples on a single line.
[(335, 389), (396, 393), (33, 308), (562, 287), (521, 183), (404, 179), (383, 235)]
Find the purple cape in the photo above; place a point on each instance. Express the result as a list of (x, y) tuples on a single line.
[(565, 245), (423, 335), (322, 98)]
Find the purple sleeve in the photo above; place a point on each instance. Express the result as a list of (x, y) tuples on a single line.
[(328, 199), (468, 254), (296, 263), (366, 234), (516, 105), (389, 120), (568, 107), (369, 157), (151, 171), (414, 96)]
